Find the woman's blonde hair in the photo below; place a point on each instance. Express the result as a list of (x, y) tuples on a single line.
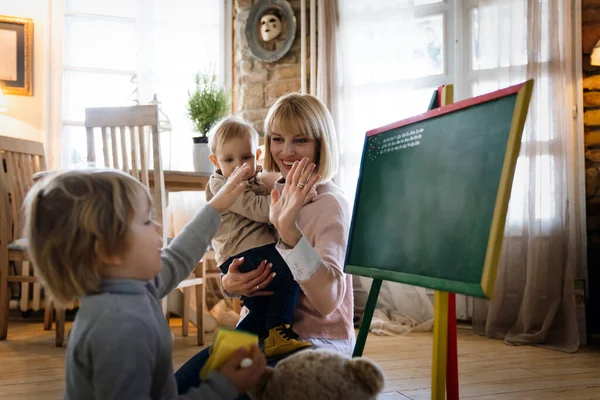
[(230, 128), (304, 114), (70, 218)]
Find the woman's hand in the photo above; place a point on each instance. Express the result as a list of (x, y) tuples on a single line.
[(231, 190), (247, 284), (245, 378), (286, 206)]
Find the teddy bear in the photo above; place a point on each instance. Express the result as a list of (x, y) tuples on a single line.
[(320, 374)]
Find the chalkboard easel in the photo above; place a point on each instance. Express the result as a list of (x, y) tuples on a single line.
[(494, 122)]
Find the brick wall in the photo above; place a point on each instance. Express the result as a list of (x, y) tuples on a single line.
[(591, 99), (257, 84)]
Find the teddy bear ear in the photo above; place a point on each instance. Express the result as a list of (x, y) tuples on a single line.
[(368, 374), (258, 391)]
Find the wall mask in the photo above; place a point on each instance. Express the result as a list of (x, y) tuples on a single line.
[(270, 29)]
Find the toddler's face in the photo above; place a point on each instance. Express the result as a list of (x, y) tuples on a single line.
[(236, 153), (142, 259)]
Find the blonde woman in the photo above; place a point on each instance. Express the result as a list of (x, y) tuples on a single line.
[(299, 131)]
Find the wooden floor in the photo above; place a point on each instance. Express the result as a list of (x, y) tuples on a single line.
[(32, 368)]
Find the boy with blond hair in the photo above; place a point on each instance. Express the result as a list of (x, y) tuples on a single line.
[(245, 233), (92, 238)]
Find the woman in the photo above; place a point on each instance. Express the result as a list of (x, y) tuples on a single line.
[(299, 130)]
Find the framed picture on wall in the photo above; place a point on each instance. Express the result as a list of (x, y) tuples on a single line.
[(16, 62)]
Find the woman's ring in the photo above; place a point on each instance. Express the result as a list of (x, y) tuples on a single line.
[(300, 185), (257, 287)]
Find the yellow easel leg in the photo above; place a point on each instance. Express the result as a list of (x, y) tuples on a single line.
[(440, 345)]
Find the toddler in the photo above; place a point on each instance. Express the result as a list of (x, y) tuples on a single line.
[(245, 232)]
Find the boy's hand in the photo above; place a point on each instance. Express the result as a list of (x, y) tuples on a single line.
[(230, 191), (245, 378)]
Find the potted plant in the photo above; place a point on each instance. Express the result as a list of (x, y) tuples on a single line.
[(207, 104)]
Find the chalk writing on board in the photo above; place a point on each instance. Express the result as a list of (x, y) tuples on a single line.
[(374, 144), (395, 142)]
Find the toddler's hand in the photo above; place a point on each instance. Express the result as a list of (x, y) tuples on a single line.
[(245, 378), (231, 190)]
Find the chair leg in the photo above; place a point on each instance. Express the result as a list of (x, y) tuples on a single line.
[(200, 292), (4, 299), (48, 314), (185, 318), (60, 326), (25, 271)]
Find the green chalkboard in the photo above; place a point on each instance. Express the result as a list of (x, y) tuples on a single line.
[(433, 193)]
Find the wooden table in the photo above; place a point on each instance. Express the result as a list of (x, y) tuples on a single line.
[(182, 181), (175, 181)]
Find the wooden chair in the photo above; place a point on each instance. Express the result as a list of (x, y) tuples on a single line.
[(205, 270), (21, 159), (131, 142)]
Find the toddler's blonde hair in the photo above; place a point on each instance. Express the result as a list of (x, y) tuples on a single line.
[(230, 128), (73, 217)]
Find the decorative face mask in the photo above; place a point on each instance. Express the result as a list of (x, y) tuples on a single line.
[(270, 27)]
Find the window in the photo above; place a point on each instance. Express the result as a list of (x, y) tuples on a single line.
[(392, 61), (396, 53), (119, 52)]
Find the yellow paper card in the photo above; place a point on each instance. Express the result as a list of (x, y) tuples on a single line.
[(227, 342)]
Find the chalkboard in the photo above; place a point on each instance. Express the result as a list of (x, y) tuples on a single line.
[(433, 193)]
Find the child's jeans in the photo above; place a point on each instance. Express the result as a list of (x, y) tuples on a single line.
[(267, 312)]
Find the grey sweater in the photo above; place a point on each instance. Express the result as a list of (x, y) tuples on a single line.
[(120, 346)]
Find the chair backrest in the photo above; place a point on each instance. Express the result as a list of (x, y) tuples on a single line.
[(130, 142), (20, 160)]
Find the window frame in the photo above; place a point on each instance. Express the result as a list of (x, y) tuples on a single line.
[(58, 146), (458, 70)]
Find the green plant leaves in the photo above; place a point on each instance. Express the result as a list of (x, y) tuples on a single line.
[(208, 103)]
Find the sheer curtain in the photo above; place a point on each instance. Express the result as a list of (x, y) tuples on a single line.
[(534, 302), (393, 54), (147, 48), (328, 52), (177, 40), (391, 61)]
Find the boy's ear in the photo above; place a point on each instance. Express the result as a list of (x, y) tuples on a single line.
[(213, 160), (105, 258), (258, 153)]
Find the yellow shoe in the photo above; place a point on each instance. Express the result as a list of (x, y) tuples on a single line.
[(282, 340)]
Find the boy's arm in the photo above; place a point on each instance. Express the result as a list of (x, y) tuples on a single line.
[(187, 248), (123, 357), (249, 204)]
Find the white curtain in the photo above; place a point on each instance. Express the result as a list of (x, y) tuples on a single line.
[(141, 48), (388, 58), (393, 55), (176, 40), (534, 299)]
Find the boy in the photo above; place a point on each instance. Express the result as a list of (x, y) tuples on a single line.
[(91, 238)]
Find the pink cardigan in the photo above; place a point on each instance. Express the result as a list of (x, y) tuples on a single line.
[(325, 307)]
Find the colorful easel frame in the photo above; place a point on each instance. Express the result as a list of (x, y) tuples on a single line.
[(445, 355)]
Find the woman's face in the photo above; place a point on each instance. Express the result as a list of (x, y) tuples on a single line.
[(288, 147)]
